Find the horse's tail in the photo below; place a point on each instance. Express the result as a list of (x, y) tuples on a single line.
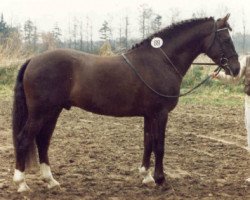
[(20, 116)]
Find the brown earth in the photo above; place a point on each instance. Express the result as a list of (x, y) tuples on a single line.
[(97, 157)]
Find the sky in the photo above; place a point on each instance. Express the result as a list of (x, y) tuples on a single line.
[(45, 13)]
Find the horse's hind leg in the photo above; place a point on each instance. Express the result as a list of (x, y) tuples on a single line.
[(148, 147), (25, 150), (43, 142)]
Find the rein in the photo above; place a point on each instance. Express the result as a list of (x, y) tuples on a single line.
[(223, 64), (217, 70)]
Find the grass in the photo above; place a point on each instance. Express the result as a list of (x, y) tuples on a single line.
[(7, 80), (214, 96), (6, 91), (213, 92)]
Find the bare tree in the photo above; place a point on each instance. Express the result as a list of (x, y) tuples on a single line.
[(199, 14), (13, 44), (157, 22), (74, 33), (48, 41), (87, 27), (126, 32), (144, 20), (57, 33), (81, 35), (30, 35), (175, 14), (244, 33), (69, 32), (120, 34), (35, 38), (28, 31), (91, 37)]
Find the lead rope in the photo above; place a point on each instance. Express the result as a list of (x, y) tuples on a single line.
[(217, 70)]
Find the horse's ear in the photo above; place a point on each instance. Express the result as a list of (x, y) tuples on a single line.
[(223, 22), (226, 18)]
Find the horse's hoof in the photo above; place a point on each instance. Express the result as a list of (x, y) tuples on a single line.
[(23, 187), (147, 177), (54, 185), (160, 180), (149, 181), (164, 186)]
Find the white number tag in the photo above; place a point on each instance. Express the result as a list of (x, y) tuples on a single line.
[(156, 42)]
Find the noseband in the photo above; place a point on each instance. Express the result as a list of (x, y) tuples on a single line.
[(223, 58)]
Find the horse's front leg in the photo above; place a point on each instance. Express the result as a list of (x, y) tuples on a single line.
[(158, 145), (144, 169)]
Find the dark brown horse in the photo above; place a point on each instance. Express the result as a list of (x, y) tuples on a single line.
[(115, 86)]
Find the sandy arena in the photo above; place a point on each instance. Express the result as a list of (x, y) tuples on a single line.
[(97, 157)]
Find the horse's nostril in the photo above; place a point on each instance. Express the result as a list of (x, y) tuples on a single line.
[(236, 71)]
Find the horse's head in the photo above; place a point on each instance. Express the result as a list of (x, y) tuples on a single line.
[(219, 47)]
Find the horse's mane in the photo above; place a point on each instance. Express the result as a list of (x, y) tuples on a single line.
[(173, 29)]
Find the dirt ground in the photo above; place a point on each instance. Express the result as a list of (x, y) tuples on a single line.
[(97, 157)]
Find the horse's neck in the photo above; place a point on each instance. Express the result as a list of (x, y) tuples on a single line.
[(184, 51)]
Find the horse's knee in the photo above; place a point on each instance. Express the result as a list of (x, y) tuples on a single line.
[(22, 142)]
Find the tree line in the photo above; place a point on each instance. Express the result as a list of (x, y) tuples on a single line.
[(28, 39)]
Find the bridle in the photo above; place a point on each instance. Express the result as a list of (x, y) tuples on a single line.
[(223, 60), (223, 64)]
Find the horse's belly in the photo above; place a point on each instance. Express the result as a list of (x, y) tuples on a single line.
[(112, 105), (109, 108)]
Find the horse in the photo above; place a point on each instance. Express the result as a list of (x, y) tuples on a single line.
[(144, 82)]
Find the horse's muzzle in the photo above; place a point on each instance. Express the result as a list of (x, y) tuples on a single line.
[(232, 70)]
